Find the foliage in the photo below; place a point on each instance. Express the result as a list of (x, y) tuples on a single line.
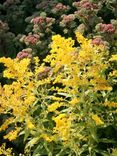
[(55, 16)]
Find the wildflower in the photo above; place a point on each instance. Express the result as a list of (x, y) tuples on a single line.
[(111, 104), (113, 73), (85, 4), (74, 101), (113, 58), (62, 128), (97, 120), (29, 123), (47, 137), (7, 122), (41, 21), (12, 135), (54, 106)]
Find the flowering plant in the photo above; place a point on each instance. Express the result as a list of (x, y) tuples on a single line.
[(66, 108)]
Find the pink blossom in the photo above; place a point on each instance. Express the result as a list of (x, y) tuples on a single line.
[(97, 41), (85, 4), (32, 39), (38, 20), (107, 28), (23, 54), (49, 20), (61, 7), (68, 18)]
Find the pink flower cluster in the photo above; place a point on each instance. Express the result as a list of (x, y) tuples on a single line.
[(41, 20), (37, 20), (98, 41), (109, 28), (45, 73), (32, 39), (85, 4), (67, 18), (24, 54), (60, 7), (81, 14)]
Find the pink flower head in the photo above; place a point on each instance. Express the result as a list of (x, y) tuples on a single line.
[(85, 4), (24, 54), (97, 41), (107, 28), (32, 39), (76, 4), (49, 20), (38, 20), (68, 18), (60, 7)]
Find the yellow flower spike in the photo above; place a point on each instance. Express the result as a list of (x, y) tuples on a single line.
[(7, 122), (80, 37), (62, 128), (54, 106), (12, 135), (74, 101), (29, 124), (97, 120), (113, 73), (47, 137), (111, 104), (113, 58)]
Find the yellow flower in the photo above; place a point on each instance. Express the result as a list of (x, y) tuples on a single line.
[(7, 122), (63, 124), (80, 37), (113, 58), (12, 135), (47, 137), (29, 123), (97, 120), (111, 104), (54, 106), (113, 73), (74, 101)]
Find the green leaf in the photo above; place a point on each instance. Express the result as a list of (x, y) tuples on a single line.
[(32, 142)]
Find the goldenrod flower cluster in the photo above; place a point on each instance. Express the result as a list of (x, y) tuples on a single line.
[(59, 103)]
